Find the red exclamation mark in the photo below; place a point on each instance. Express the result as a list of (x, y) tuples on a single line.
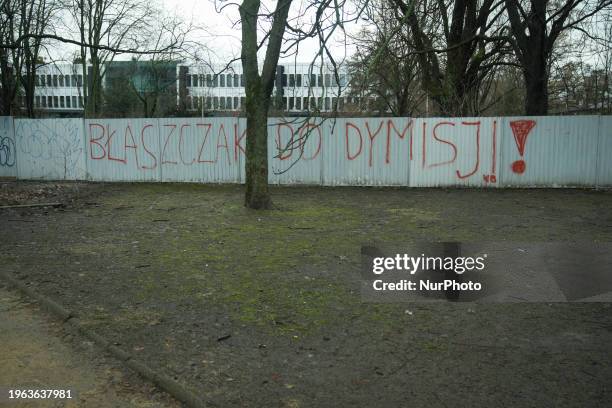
[(520, 130)]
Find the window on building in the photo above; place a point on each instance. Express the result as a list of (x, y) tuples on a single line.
[(298, 79), (305, 103), (55, 80), (68, 102), (74, 101), (242, 81), (215, 103), (37, 101), (327, 80), (202, 80), (291, 102), (49, 80), (222, 80), (41, 78), (80, 80), (341, 104), (55, 102), (236, 80), (37, 80), (334, 103), (61, 100), (43, 99), (229, 80), (291, 80), (67, 79), (50, 101), (74, 80), (194, 80), (236, 102), (80, 100), (188, 81), (298, 103), (242, 101), (222, 103), (342, 80), (61, 80)]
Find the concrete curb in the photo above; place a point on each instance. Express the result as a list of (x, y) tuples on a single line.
[(172, 387)]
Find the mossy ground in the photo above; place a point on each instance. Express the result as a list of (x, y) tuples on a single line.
[(171, 268)]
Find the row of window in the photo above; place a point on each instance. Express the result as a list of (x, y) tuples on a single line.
[(215, 102), (287, 104), (237, 80), (41, 101), (314, 80), (212, 81), (59, 80), (321, 103)]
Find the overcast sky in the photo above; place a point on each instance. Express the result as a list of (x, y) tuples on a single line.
[(226, 41), (221, 33)]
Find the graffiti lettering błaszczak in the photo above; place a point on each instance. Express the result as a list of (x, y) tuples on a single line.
[(210, 143)]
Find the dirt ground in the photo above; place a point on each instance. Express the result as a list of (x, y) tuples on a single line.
[(39, 353), (261, 309)]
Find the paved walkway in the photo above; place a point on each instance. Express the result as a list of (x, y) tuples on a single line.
[(36, 351)]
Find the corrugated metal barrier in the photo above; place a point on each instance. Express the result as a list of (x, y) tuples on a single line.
[(547, 151)]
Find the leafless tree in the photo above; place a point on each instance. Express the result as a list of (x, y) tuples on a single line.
[(116, 24), (26, 20), (384, 65), (536, 25), (458, 44), (279, 33)]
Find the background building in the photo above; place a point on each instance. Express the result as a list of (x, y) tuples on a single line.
[(167, 88), (59, 89), (299, 88)]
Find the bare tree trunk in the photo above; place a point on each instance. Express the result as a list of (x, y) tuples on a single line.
[(6, 96), (257, 195), (94, 102), (536, 88), (258, 90)]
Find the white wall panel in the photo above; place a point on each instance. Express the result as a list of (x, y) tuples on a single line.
[(550, 151), (455, 152), (50, 149), (122, 149), (295, 150)]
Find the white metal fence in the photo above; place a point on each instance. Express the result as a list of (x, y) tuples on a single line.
[(418, 152)]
